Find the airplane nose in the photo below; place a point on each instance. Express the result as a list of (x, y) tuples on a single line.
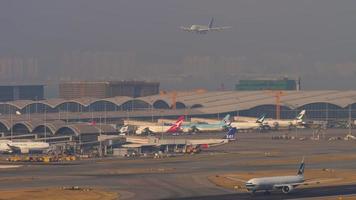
[(250, 185)]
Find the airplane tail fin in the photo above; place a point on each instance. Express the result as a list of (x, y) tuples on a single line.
[(261, 119), (231, 134), (211, 23), (226, 121), (176, 126), (301, 115), (301, 168)]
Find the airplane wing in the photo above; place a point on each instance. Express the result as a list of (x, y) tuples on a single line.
[(220, 28), (236, 179), (309, 182), (319, 181), (14, 148)]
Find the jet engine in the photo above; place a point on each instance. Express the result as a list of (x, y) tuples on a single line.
[(286, 189)]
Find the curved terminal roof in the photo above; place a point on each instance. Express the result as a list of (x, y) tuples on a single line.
[(207, 102), (77, 129)]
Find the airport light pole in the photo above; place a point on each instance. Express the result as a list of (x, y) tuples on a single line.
[(100, 145), (45, 123), (12, 127), (295, 108), (296, 113), (36, 104), (105, 118), (151, 100), (237, 108), (67, 113), (28, 113), (350, 131), (327, 113)]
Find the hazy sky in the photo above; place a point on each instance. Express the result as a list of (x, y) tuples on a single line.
[(314, 39)]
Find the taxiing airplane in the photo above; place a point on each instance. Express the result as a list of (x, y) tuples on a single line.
[(258, 124), (203, 29), (176, 127), (201, 127), (283, 124), (283, 183), (205, 143), (23, 147)]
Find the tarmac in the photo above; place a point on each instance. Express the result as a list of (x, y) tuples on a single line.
[(186, 177)]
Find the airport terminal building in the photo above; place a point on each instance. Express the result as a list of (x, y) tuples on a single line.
[(84, 119), (319, 104)]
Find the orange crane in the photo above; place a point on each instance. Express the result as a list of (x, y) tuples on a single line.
[(174, 100), (173, 94), (277, 94)]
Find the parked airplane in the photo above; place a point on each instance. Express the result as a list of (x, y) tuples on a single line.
[(283, 183), (135, 141), (176, 127), (280, 123), (23, 147), (203, 29), (258, 124), (200, 127), (206, 143), (231, 134)]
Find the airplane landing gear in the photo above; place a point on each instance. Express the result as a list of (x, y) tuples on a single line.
[(267, 192)]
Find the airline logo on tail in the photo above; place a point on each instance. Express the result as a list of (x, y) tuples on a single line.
[(176, 126), (261, 119), (231, 134), (301, 115), (211, 23), (301, 168), (226, 121)]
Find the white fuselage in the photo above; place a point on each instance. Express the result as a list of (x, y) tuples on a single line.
[(245, 125), (25, 147), (211, 142), (274, 123), (272, 183), (203, 127), (153, 128), (199, 28)]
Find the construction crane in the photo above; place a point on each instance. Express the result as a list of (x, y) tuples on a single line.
[(277, 94), (174, 94)]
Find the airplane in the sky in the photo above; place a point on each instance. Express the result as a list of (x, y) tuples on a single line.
[(21, 146), (283, 183), (203, 29)]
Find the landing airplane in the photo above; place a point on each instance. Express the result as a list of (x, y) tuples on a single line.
[(203, 29), (200, 127), (258, 124), (283, 183), (277, 124), (23, 147), (176, 127)]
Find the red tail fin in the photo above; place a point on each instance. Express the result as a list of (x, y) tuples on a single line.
[(92, 123), (176, 126)]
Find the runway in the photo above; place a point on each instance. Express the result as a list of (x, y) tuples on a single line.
[(186, 177), (296, 194)]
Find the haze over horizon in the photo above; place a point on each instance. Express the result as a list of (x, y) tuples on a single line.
[(51, 41)]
